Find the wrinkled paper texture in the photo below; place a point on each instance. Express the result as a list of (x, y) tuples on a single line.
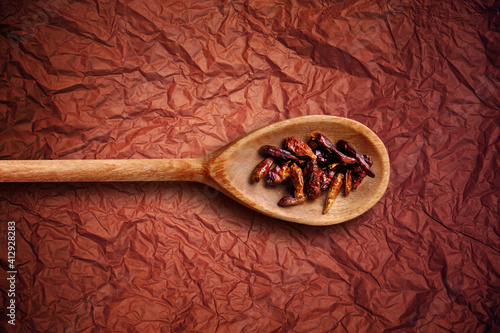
[(178, 79)]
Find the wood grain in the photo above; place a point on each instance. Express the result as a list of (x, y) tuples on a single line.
[(120, 170)]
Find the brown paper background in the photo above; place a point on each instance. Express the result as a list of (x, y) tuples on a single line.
[(176, 79)]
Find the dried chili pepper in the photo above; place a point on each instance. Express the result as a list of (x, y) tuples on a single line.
[(324, 157), (298, 196), (360, 174), (262, 169), (298, 181), (346, 147), (299, 148), (325, 142), (326, 177), (313, 144), (341, 167), (277, 153), (357, 178), (320, 157), (290, 200), (348, 182), (313, 179), (329, 173), (356, 168), (279, 173), (314, 167), (322, 140), (333, 191)]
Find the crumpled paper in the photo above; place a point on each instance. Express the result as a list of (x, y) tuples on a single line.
[(166, 79)]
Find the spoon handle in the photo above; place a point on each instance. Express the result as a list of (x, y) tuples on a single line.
[(118, 170)]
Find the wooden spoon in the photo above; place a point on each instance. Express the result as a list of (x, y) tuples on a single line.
[(229, 170)]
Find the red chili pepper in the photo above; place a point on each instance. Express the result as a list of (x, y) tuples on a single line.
[(262, 169), (277, 153), (279, 173), (359, 174), (313, 179), (325, 142), (346, 147), (299, 148)]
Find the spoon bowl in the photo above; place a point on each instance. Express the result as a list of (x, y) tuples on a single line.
[(232, 166), (229, 170)]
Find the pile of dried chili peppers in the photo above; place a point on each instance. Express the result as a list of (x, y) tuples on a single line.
[(313, 167)]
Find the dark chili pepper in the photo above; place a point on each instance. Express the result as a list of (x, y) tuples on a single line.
[(290, 200), (299, 148), (335, 168), (346, 147), (356, 168), (262, 169), (320, 156), (333, 191), (279, 173), (340, 167), (313, 179), (322, 140), (325, 142), (325, 179), (298, 196), (313, 144), (277, 153), (360, 174), (330, 171), (357, 178), (324, 157)]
